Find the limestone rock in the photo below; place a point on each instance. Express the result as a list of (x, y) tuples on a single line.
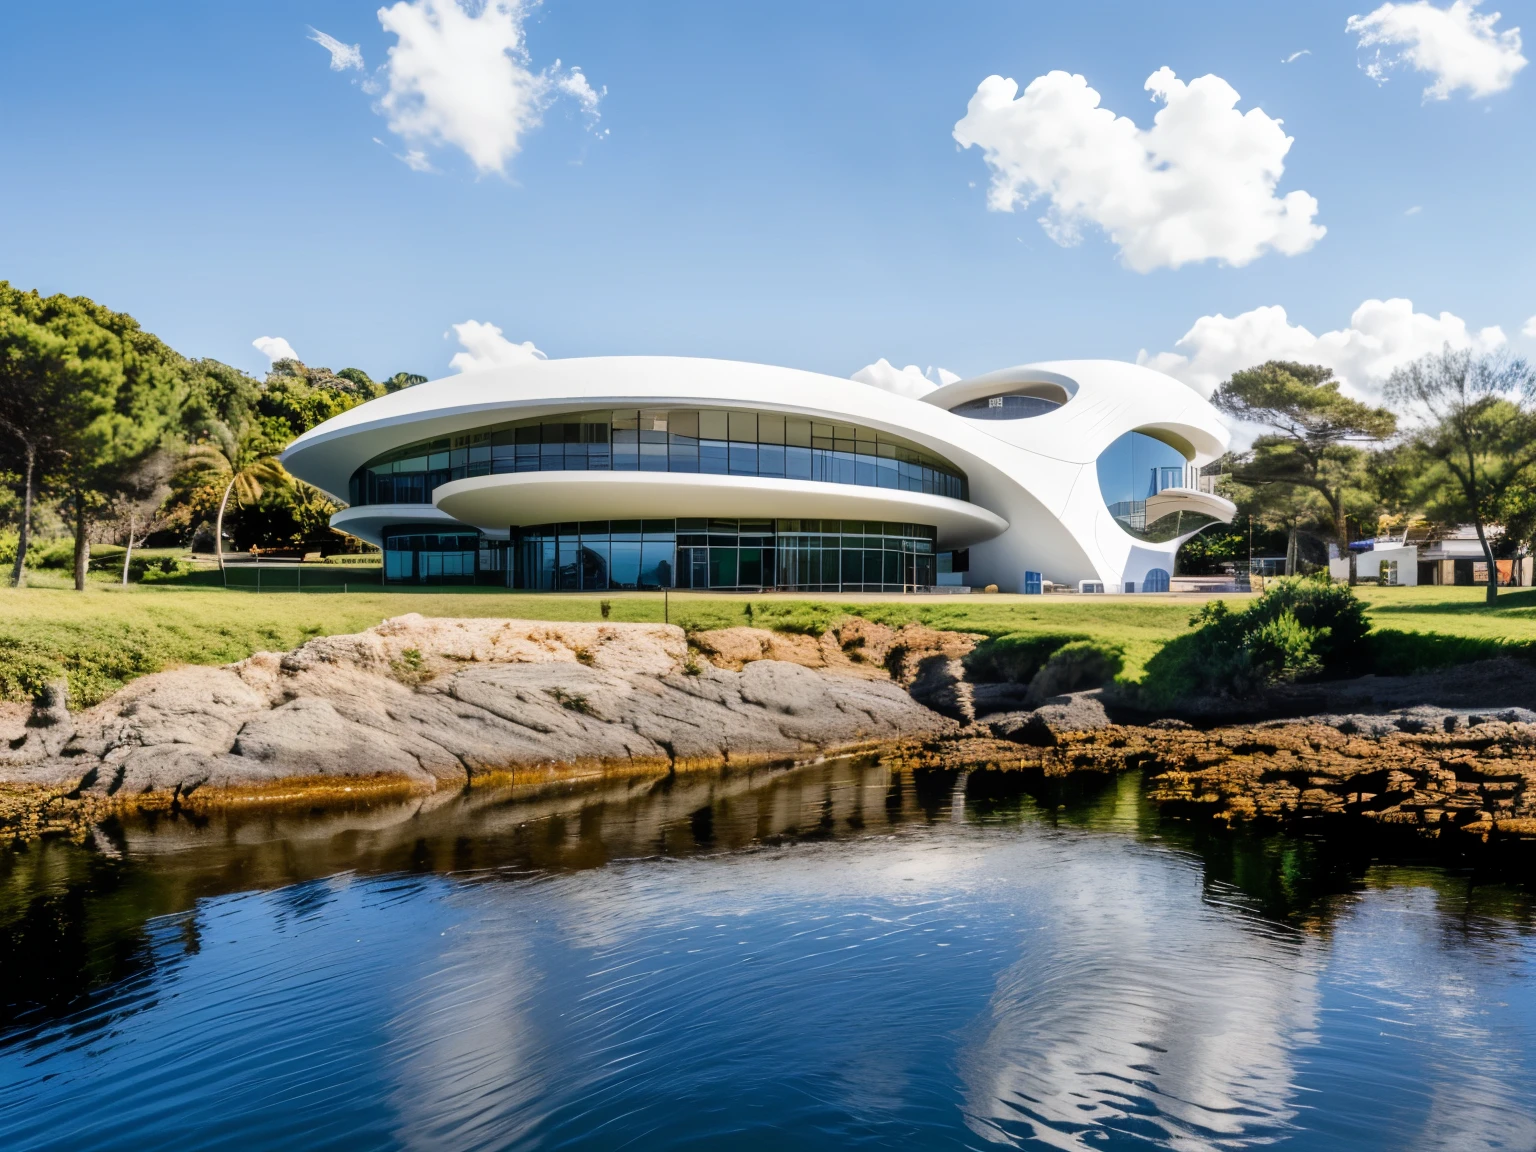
[(940, 684), (1075, 712), (46, 729), (990, 699), (437, 703), (1023, 728), (1038, 727)]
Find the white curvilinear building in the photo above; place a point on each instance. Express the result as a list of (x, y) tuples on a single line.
[(649, 471)]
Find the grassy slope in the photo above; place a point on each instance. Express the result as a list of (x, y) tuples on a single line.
[(108, 635), (1454, 612)]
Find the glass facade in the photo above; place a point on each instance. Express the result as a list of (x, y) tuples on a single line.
[(434, 554), (1007, 407), (723, 443), (1137, 466), (809, 555)]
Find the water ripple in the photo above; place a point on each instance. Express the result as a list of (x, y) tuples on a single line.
[(914, 981)]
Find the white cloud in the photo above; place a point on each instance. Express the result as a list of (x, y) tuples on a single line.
[(1414, 211), (343, 56), (909, 381), (1382, 335), (1456, 45), (274, 348), (1530, 327), (1198, 185), (485, 347), (1295, 56), (416, 160), (462, 78), (575, 85)]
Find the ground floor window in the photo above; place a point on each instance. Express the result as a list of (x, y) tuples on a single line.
[(432, 555), (808, 555)]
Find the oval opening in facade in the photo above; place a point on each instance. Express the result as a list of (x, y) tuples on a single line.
[(1007, 407), (1017, 403), (1136, 474)]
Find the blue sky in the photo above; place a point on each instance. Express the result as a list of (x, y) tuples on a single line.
[(774, 182)]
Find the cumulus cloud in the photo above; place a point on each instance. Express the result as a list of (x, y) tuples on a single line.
[(274, 348), (343, 56), (1382, 335), (461, 77), (1200, 184), (1530, 327), (485, 347), (1458, 46), (909, 381)]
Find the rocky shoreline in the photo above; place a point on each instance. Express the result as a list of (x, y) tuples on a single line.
[(417, 705), (1461, 779)]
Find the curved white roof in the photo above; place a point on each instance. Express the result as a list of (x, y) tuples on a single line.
[(1034, 495)]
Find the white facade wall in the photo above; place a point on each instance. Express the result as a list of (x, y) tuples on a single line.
[(1405, 557)]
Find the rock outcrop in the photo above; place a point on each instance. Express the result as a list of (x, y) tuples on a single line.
[(429, 703), (1457, 777), (1433, 771)]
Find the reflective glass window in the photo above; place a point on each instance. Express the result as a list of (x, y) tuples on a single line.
[(715, 441), (1134, 470)]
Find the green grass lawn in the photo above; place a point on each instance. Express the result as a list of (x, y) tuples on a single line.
[(1454, 611), (107, 635)]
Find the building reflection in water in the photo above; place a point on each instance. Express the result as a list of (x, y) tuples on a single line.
[(836, 952), (1106, 1022)]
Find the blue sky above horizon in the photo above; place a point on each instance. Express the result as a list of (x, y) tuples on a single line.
[(777, 183)]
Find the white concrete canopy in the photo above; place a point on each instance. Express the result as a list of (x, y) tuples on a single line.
[(525, 498)]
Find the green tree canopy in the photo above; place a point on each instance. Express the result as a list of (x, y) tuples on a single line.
[(1473, 431), (1313, 435), (403, 380), (1295, 510), (85, 394)]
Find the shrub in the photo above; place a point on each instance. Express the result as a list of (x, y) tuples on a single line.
[(1074, 667), (1331, 611), (25, 670), (1015, 657), (155, 568), (94, 665), (1284, 648), (50, 554), (1299, 628)]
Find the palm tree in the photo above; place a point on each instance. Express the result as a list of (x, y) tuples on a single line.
[(245, 467)]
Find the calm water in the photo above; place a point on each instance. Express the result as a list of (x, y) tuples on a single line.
[(828, 957)]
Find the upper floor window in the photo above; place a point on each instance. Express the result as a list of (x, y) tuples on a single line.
[(721, 442)]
